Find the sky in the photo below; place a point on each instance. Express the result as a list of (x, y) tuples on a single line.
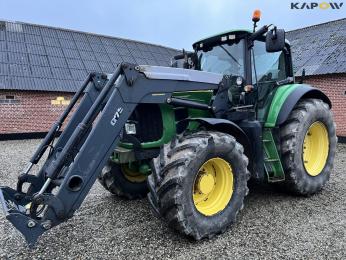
[(173, 23)]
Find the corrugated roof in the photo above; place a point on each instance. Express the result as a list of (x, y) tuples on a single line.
[(36, 57), (319, 49)]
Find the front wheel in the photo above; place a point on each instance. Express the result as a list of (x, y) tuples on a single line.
[(120, 180), (308, 144), (200, 183)]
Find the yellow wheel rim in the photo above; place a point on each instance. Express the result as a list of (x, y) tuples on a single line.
[(315, 148), (132, 176), (213, 186)]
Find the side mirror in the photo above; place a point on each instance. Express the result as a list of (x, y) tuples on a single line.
[(275, 40)]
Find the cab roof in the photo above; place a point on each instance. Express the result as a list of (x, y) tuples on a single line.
[(217, 37)]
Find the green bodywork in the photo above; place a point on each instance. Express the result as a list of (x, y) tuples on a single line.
[(168, 117), (198, 96), (272, 161), (267, 114), (267, 111), (167, 114), (278, 100), (125, 154)]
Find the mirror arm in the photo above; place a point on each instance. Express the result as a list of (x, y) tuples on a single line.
[(259, 32), (275, 36)]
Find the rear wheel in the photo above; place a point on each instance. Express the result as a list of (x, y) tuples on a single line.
[(199, 183), (308, 143), (123, 181)]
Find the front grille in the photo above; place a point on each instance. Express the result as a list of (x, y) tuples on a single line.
[(148, 120)]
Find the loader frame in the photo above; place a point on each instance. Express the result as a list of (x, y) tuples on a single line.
[(86, 143)]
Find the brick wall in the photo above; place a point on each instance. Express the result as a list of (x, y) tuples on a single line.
[(334, 86), (29, 111), (34, 112)]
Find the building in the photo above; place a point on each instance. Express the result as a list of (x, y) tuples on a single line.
[(321, 51), (41, 67)]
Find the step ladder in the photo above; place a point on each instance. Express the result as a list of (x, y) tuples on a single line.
[(272, 162)]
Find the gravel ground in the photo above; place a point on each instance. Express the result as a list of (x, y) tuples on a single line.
[(272, 224)]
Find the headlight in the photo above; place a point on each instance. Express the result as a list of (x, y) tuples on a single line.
[(239, 81), (130, 128), (248, 88)]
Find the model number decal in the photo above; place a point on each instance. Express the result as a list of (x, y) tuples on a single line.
[(116, 116)]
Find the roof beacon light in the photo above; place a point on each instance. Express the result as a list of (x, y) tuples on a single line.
[(256, 16)]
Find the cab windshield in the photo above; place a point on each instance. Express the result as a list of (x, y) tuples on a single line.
[(226, 59)]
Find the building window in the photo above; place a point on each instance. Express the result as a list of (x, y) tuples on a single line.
[(9, 99)]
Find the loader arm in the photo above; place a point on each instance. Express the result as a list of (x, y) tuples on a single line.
[(93, 132)]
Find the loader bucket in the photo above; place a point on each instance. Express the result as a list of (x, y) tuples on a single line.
[(15, 210)]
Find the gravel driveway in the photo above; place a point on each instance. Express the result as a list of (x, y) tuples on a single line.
[(272, 224)]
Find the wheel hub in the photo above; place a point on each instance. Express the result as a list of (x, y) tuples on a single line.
[(315, 148), (205, 183), (132, 175), (213, 186)]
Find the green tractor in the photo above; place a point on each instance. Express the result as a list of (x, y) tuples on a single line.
[(197, 181), (188, 138), (195, 167)]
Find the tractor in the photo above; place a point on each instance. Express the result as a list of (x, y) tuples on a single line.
[(188, 137)]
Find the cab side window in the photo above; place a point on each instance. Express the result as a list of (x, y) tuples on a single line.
[(270, 67)]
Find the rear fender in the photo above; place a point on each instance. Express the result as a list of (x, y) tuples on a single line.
[(287, 97)]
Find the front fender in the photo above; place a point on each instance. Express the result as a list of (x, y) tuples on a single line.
[(228, 127), (286, 97)]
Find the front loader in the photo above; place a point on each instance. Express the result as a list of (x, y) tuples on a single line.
[(187, 138)]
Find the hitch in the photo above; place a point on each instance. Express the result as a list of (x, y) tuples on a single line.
[(87, 141)]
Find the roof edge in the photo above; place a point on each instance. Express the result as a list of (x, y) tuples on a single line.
[(90, 33), (315, 25)]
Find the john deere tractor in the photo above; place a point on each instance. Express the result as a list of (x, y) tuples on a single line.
[(188, 138)]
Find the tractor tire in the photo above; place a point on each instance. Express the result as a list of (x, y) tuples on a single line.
[(199, 183), (308, 144), (117, 180)]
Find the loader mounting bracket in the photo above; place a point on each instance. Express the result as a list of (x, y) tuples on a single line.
[(99, 80), (130, 72)]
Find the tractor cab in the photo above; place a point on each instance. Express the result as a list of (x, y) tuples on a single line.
[(254, 63)]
